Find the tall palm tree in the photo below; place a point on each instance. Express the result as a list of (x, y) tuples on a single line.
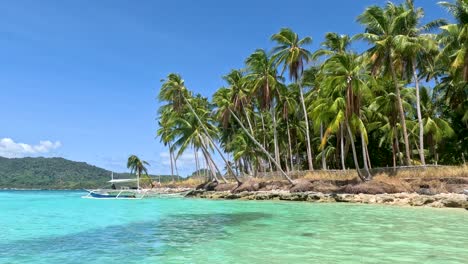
[(137, 166), (384, 26), (291, 53), (348, 73), (417, 48), (263, 78)]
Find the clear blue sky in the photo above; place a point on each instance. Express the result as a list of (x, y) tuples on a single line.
[(82, 76)]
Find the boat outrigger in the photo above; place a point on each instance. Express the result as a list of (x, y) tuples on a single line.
[(123, 193)]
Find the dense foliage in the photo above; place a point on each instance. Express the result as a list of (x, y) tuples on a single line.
[(404, 101), (56, 173)]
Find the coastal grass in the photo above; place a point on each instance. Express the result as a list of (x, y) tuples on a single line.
[(441, 179)]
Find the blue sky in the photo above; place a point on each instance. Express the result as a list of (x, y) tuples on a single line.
[(78, 79)]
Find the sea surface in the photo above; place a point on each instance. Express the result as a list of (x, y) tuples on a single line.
[(60, 227)]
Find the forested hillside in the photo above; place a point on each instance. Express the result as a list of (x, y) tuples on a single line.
[(54, 173)]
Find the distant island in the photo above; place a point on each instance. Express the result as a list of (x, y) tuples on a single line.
[(56, 173)]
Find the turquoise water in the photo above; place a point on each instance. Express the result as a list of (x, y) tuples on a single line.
[(60, 227)]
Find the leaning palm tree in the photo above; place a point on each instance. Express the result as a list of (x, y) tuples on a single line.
[(291, 53), (137, 166), (174, 92)]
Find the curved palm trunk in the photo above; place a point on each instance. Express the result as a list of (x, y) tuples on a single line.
[(402, 114), (306, 118), (261, 147), (211, 141), (324, 161), (364, 156), (356, 163), (418, 110)]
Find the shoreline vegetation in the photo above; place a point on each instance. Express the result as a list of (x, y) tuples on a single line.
[(297, 120)]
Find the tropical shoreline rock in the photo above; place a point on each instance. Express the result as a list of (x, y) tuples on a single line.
[(450, 200)]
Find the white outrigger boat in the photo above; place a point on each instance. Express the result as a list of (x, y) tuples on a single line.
[(123, 193)]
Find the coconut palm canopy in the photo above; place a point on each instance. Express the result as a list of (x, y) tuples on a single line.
[(403, 101)]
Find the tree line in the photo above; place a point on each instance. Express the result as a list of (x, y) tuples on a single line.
[(403, 101)]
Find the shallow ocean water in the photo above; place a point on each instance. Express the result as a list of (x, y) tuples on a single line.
[(59, 227)]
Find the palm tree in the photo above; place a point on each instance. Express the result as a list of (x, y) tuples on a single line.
[(176, 94), (417, 48), (384, 26), (333, 44), (137, 166), (347, 72), (454, 37), (166, 132), (291, 53), (263, 78), (436, 127)]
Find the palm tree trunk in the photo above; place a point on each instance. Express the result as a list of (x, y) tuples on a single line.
[(261, 148), (175, 165), (210, 165), (275, 136), (289, 145), (368, 158), (418, 110), (364, 156), (356, 163), (264, 138), (248, 119), (197, 167), (205, 149), (402, 113), (213, 165), (211, 140), (172, 163), (394, 153), (324, 161), (343, 166), (306, 118), (397, 144)]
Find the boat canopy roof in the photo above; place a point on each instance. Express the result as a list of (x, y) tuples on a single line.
[(122, 180)]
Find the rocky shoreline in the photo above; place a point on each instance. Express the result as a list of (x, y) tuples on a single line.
[(449, 200)]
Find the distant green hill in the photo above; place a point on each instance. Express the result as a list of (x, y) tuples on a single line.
[(55, 173)]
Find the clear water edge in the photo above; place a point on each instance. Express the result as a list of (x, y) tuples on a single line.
[(60, 227)]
